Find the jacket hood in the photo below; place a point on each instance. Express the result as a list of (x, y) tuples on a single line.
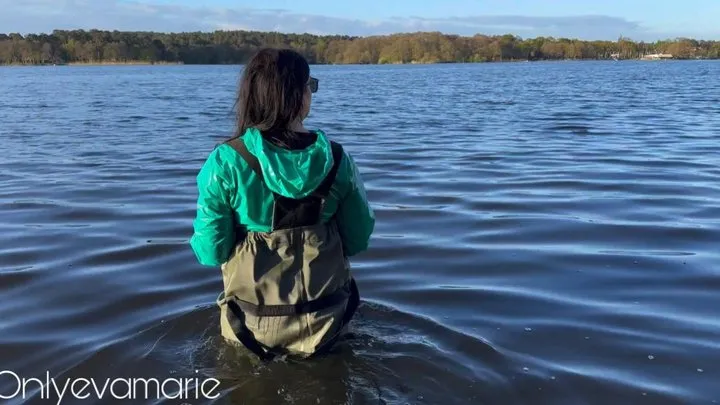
[(291, 173)]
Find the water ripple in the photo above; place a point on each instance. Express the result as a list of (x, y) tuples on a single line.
[(546, 232)]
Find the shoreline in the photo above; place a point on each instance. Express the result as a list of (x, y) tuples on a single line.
[(129, 63), (144, 63)]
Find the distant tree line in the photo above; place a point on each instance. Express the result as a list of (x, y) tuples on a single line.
[(233, 47)]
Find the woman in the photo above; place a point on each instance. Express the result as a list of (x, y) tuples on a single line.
[(280, 209)]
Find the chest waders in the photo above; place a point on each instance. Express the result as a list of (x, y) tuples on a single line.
[(288, 291)]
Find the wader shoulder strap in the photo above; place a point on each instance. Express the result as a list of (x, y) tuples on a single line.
[(239, 145), (324, 188)]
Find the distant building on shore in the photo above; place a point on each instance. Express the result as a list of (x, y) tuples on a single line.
[(657, 56)]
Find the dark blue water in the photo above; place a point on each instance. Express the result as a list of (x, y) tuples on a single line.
[(547, 233)]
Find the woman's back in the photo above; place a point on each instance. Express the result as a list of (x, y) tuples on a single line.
[(230, 183), (280, 209)]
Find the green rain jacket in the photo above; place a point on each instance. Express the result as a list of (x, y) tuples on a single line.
[(230, 194)]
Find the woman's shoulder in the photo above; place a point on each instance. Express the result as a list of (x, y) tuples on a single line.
[(222, 164)]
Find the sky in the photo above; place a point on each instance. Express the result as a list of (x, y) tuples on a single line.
[(646, 20)]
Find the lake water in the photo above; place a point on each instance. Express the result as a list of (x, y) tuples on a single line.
[(547, 233)]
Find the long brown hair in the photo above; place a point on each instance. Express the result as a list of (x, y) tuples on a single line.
[(271, 93)]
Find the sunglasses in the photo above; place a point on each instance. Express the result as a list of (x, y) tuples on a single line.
[(313, 84)]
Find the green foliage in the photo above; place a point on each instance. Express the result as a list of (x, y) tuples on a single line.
[(234, 47)]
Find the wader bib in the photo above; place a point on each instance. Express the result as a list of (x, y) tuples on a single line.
[(288, 291)]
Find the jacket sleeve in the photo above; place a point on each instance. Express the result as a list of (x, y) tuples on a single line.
[(356, 218), (213, 235)]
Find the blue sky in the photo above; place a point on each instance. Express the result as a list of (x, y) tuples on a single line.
[(586, 19)]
